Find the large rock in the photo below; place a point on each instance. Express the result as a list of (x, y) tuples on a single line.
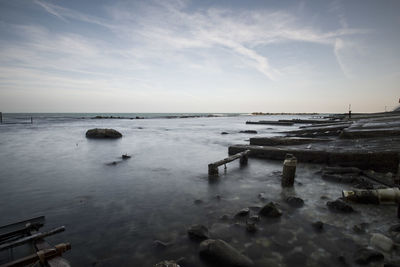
[(198, 232), (270, 210), (103, 133), (223, 254), (367, 255)]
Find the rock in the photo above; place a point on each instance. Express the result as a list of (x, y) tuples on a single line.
[(253, 218), (251, 227), (243, 212), (125, 156), (339, 206), (270, 210), (360, 228), (225, 217), (103, 134), (198, 201), (198, 232), (381, 242), (167, 264), (367, 255), (221, 253), (395, 228), (249, 131), (224, 133), (295, 202), (318, 226), (159, 244)]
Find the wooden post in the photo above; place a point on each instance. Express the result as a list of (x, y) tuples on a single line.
[(31, 120), (289, 171), (244, 159)]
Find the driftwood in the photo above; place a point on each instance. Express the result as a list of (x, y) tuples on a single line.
[(42, 255), (213, 167), (30, 238)]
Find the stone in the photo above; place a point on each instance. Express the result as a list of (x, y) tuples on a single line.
[(318, 226), (98, 133), (243, 212), (251, 227), (295, 202), (367, 255), (225, 217), (270, 210), (224, 133), (253, 218), (167, 264), (125, 156), (221, 253), (381, 242), (339, 206), (360, 228), (198, 232), (198, 201), (159, 244)]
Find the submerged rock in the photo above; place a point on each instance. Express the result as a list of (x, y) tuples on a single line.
[(318, 226), (223, 254), (243, 212), (339, 206), (198, 232), (270, 210), (367, 255), (295, 202), (224, 133), (103, 134)]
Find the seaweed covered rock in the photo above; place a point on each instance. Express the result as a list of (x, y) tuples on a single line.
[(221, 253), (98, 133)]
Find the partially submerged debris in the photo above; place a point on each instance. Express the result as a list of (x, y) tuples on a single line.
[(376, 196)]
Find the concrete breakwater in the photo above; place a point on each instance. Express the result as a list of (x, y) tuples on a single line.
[(366, 142)]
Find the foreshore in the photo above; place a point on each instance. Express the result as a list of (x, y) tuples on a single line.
[(342, 153)]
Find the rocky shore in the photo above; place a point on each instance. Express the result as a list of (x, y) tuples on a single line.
[(311, 223)]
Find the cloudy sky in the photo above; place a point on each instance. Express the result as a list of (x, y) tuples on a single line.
[(199, 56)]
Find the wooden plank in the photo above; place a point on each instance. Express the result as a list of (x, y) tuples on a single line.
[(15, 233), (44, 255), (21, 224), (31, 238)]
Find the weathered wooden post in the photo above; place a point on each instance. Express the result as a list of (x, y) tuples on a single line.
[(289, 170), (244, 159), (212, 169)]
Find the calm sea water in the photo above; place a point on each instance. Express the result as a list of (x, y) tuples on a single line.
[(113, 213)]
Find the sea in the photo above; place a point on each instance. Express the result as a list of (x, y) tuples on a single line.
[(116, 211)]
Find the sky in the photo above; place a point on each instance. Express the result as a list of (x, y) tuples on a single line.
[(199, 56)]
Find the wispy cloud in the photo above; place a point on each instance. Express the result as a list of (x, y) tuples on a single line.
[(166, 30)]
